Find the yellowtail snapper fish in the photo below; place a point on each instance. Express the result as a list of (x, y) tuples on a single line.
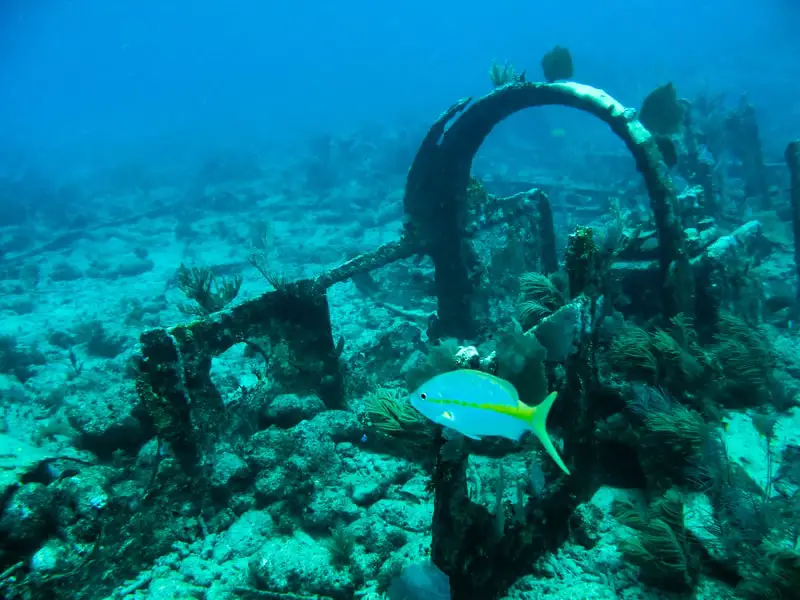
[(478, 404)]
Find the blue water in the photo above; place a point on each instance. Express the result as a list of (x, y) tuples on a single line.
[(91, 81)]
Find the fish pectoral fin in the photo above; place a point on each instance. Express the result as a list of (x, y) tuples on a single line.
[(446, 418)]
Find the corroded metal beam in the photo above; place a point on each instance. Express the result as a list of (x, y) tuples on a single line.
[(793, 161), (174, 382)]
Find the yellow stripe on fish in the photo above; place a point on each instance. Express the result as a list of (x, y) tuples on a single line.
[(521, 411)]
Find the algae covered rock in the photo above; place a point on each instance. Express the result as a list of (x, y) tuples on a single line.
[(299, 564), (105, 421), (27, 510), (287, 410), (226, 468), (17, 459), (27, 515)]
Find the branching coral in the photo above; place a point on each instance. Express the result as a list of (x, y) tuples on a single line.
[(682, 428), (501, 75), (671, 358), (392, 414), (632, 355), (671, 437), (201, 285), (745, 360), (660, 545), (539, 297), (342, 546), (774, 575), (681, 368)]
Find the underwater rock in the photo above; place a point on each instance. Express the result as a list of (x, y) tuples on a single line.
[(198, 571), (64, 271), (227, 467), (299, 565), (106, 421), (328, 507), (270, 485), (168, 587), (83, 500), (269, 449), (46, 560), (241, 503), (18, 459), (393, 513), (367, 492), (373, 476), (287, 410), (338, 425), (27, 516), (586, 525), (245, 536), (132, 267)]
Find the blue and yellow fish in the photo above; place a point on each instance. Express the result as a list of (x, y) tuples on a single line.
[(478, 404)]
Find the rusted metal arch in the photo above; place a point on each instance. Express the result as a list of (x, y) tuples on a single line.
[(435, 198)]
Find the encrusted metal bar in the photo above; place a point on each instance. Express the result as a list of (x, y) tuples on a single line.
[(174, 380), (793, 161)]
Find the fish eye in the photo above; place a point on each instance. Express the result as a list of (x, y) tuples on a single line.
[(423, 396)]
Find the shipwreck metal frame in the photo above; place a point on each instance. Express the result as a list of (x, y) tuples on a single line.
[(793, 162), (174, 380)]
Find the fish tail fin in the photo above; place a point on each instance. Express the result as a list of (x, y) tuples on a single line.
[(538, 424)]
